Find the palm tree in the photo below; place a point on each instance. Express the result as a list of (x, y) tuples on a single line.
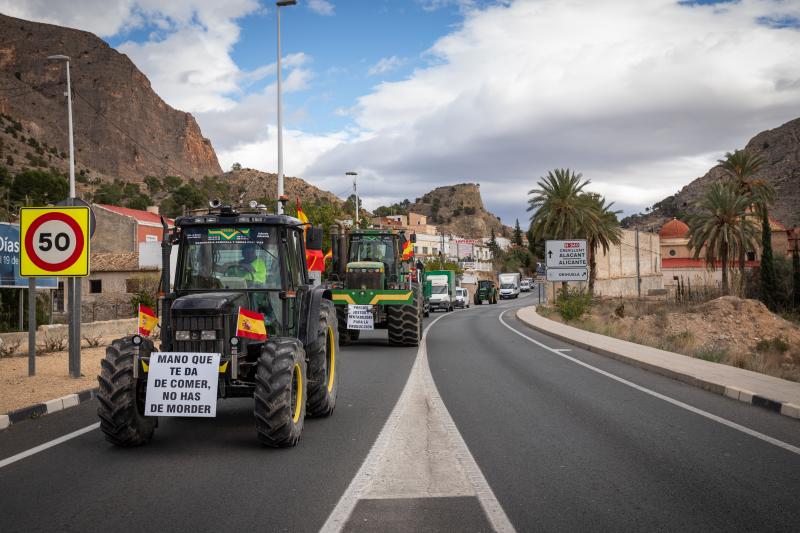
[(603, 232), (560, 207), (721, 226)]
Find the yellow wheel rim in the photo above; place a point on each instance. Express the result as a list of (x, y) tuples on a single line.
[(331, 358), (298, 388)]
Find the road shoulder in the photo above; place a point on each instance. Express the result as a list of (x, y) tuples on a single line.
[(769, 392)]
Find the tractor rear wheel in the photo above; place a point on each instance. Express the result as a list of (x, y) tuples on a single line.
[(323, 378), (405, 322), (346, 336), (280, 395), (121, 398)]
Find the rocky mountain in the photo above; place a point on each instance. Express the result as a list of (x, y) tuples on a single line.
[(779, 147), (459, 209), (122, 128), (257, 184)]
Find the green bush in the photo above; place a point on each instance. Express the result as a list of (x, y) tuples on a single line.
[(573, 303)]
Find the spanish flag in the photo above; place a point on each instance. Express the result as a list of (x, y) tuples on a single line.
[(250, 325), (147, 320), (300, 214), (315, 261), (408, 250), (328, 256)]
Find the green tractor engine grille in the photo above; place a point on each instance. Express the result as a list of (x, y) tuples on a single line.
[(196, 325), (363, 280)]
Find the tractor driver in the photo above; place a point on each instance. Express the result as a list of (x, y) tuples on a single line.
[(256, 266)]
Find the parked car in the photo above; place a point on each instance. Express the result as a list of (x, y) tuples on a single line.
[(462, 298)]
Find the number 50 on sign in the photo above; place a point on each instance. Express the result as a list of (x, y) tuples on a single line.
[(54, 241)]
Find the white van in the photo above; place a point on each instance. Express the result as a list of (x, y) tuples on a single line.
[(462, 298)]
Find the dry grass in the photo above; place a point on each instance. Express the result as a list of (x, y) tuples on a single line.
[(740, 333)]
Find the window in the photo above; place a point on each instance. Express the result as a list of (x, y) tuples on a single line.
[(425, 250), (58, 298), (672, 253), (95, 286), (751, 256)]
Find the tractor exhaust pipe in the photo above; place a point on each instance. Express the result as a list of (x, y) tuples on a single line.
[(166, 255)]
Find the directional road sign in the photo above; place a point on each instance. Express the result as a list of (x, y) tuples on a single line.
[(54, 241), (566, 254), (568, 274)]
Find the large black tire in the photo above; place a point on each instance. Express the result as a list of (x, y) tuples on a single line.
[(280, 395), (323, 375), (405, 322), (121, 398), (346, 336)]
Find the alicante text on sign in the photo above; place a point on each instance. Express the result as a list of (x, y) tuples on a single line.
[(567, 274), (54, 241), (566, 254), (360, 317), (182, 384)]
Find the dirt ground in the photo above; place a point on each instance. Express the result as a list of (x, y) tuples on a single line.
[(51, 381), (729, 330)]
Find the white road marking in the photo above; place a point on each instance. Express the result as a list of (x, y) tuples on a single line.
[(690, 408), (360, 484), (46, 445)]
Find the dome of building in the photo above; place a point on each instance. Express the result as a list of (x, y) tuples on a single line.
[(674, 229)]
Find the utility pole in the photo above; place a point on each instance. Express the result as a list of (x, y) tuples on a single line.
[(355, 190), (73, 284), (638, 268)]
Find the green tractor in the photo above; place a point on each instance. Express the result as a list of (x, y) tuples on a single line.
[(487, 290), (371, 276), (227, 261)]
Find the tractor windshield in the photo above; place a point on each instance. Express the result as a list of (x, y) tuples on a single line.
[(378, 248), (229, 258)]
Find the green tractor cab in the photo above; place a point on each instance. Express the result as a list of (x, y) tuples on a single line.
[(284, 358), (486, 291)]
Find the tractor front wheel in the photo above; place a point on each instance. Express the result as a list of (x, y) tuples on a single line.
[(122, 398), (346, 336), (323, 378), (405, 322), (280, 395)]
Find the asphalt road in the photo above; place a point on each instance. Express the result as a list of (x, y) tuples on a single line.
[(561, 446)]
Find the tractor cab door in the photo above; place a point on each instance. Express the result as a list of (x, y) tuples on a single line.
[(296, 276)]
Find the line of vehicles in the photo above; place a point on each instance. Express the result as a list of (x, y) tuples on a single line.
[(242, 292)]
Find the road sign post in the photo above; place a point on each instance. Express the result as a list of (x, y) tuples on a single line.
[(55, 242)]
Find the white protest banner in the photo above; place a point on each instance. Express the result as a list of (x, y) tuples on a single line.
[(360, 317), (182, 384)]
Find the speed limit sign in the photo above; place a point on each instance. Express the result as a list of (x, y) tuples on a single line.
[(54, 241)]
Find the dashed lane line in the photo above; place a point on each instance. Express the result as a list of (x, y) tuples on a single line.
[(677, 403)]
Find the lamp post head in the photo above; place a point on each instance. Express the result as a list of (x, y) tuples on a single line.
[(58, 57), (284, 3), (351, 173)]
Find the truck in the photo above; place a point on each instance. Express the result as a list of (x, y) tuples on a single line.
[(375, 284), (232, 261), (443, 289), (509, 285), (486, 291)]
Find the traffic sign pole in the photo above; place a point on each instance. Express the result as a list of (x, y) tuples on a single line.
[(32, 327)]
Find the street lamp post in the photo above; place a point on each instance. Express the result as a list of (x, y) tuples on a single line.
[(279, 5), (355, 190), (73, 284)]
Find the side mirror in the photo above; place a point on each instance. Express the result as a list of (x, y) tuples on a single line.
[(314, 238), (413, 237)]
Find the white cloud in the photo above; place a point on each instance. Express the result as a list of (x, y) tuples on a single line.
[(641, 97), (386, 64), (321, 7)]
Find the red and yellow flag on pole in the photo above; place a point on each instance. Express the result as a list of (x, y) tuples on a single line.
[(315, 261), (147, 320), (408, 250), (328, 256), (250, 325)]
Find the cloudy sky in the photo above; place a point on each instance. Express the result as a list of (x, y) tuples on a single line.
[(640, 96)]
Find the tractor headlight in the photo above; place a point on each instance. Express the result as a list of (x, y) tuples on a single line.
[(183, 336), (208, 335)]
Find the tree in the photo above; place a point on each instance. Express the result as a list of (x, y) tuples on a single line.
[(603, 232), (769, 283), (739, 167), (721, 227), (38, 187), (236, 166), (153, 184), (517, 234)]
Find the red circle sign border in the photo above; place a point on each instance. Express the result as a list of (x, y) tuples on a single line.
[(44, 265)]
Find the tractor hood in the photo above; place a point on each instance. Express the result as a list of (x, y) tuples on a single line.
[(222, 302)]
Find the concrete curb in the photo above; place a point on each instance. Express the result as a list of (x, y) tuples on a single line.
[(41, 409), (784, 408)]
